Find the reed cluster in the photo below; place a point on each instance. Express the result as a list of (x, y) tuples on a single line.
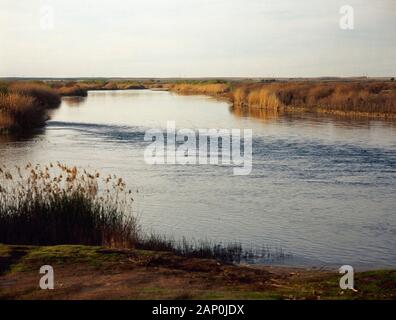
[(81, 88), (73, 91), (205, 88), (376, 98), (56, 204), (43, 95), (372, 97), (23, 105), (122, 85)]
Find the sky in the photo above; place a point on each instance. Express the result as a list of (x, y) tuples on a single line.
[(196, 38)]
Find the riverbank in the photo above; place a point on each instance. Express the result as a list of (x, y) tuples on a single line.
[(357, 98), (86, 272), (55, 204), (24, 104), (372, 99), (98, 250)]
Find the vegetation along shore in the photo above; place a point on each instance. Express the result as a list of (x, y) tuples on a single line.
[(24, 104), (82, 224), (375, 99)]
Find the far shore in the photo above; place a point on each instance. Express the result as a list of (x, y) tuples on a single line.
[(24, 104)]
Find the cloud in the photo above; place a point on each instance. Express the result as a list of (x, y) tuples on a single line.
[(197, 38)]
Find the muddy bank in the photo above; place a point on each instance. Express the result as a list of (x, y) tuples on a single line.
[(83, 272)]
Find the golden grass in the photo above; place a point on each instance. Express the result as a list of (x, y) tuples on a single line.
[(361, 97), (15, 103), (23, 105), (73, 91), (6, 121), (375, 98), (56, 204), (43, 94), (205, 88), (19, 111), (122, 85), (80, 88)]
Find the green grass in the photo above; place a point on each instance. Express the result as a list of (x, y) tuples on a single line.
[(97, 260), (93, 256)]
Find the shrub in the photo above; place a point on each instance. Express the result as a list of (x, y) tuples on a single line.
[(19, 112), (201, 88), (3, 87), (44, 95), (73, 91), (23, 105)]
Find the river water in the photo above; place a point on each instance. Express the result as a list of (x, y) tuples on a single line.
[(322, 190)]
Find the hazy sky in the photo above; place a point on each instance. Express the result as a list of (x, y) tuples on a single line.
[(193, 38)]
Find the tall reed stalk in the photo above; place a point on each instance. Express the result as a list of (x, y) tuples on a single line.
[(56, 204)]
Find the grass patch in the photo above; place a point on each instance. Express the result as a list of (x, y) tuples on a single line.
[(24, 105), (371, 97), (66, 255), (205, 88), (73, 91), (42, 94), (375, 98)]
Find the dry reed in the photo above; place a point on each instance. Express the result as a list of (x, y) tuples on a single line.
[(23, 105), (349, 97), (57, 204)]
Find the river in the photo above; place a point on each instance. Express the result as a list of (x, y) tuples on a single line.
[(322, 190)]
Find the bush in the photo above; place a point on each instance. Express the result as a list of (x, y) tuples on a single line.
[(44, 95), (3, 88), (19, 112), (74, 91), (23, 105)]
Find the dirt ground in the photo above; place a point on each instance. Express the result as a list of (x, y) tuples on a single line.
[(83, 272)]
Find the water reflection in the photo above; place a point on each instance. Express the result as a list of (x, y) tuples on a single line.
[(74, 101), (339, 120), (262, 114), (21, 137)]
